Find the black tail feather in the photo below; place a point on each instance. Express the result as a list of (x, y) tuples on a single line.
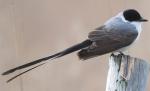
[(24, 72), (77, 47), (29, 64)]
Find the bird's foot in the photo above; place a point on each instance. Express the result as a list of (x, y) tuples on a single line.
[(112, 54), (121, 53), (118, 53)]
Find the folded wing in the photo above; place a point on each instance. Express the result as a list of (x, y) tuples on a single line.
[(105, 41)]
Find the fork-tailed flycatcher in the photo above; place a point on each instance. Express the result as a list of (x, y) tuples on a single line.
[(117, 33)]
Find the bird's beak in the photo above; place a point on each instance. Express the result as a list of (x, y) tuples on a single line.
[(143, 20)]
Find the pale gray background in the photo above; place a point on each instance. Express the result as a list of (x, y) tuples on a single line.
[(31, 29)]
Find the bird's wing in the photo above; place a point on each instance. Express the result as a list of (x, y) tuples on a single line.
[(105, 41)]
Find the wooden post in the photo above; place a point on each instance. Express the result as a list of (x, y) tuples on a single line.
[(127, 73)]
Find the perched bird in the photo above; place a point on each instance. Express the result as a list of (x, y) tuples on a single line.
[(117, 34)]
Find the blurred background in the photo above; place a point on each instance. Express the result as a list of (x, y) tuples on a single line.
[(31, 29)]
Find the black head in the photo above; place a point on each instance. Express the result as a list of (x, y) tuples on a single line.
[(133, 15)]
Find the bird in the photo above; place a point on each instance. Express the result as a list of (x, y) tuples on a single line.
[(115, 35)]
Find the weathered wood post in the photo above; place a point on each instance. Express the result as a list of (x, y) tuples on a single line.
[(127, 73)]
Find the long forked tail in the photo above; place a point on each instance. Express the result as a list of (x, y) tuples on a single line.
[(74, 48)]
